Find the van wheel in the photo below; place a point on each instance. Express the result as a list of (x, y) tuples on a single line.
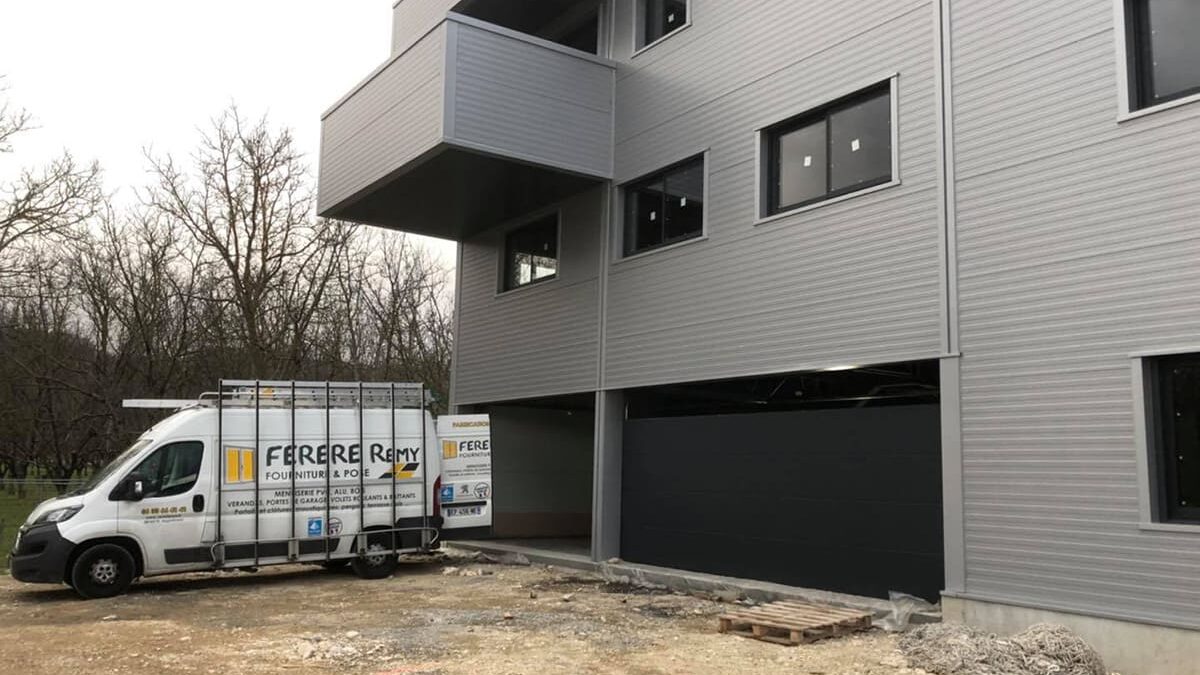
[(102, 571), (378, 561)]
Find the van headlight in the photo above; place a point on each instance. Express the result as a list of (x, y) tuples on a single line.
[(57, 515)]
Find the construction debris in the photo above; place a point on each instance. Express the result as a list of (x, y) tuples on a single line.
[(1041, 649)]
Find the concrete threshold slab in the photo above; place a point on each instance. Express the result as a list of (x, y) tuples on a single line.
[(699, 583)]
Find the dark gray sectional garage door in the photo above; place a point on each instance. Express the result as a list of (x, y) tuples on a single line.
[(848, 500)]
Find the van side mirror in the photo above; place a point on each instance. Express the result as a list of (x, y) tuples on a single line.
[(133, 488)]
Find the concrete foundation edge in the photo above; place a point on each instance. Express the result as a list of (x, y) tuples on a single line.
[(1127, 647), (699, 583)]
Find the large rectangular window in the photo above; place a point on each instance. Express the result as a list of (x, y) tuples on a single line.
[(531, 253), (665, 208), (1164, 50), (659, 18), (1175, 416), (831, 151)]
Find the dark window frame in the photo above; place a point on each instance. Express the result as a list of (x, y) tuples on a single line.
[(641, 27), (1139, 60), (661, 175), (771, 155), (1164, 454), (506, 261)]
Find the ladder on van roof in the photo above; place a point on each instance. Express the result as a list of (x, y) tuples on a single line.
[(294, 395)]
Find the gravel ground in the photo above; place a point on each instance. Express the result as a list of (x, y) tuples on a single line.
[(444, 615)]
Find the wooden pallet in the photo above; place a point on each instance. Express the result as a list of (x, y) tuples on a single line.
[(790, 622)]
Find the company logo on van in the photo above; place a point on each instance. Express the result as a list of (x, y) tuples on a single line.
[(449, 449), (402, 471), (469, 425), (239, 465)]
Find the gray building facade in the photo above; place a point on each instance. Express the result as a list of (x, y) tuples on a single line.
[(883, 280)]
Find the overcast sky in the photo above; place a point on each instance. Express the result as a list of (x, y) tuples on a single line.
[(108, 79)]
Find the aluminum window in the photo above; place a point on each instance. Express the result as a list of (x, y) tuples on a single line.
[(665, 208), (1174, 415), (1164, 54), (833, 150), (657, 19), (531, 253)]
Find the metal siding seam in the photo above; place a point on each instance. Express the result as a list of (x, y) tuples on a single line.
[(450, 73), (458, 286), (608, 212), (953, 479)]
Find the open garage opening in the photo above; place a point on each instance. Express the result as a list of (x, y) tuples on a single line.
[(542, 468), (828, 480)]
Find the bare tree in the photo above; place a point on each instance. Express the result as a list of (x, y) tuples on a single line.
[(247, 201), (12, 120), (222, 271), (41, 203), (407, 305)]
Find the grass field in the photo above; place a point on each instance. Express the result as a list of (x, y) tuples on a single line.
[(14, 507)]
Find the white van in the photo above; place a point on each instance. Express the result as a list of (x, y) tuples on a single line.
[(265, 473)]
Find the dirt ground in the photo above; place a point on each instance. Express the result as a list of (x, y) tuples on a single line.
[(444, 615)]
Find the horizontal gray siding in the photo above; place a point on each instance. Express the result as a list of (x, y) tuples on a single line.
[(1077, 245), (854, 282), (505, 95), (519, 99), (537, 341), (388, 121), (413, 18)]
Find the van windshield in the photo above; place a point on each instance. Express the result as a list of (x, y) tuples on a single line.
[(109, 468)]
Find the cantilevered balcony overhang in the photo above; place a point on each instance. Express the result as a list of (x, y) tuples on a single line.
[(472, 125)]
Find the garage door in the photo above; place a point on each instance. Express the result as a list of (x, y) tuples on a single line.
[(848, 500)]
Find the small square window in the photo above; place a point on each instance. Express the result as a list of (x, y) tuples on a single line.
[(531, 253), (659, 18), (1175, 417), (831, 151), (1164, 53), (665, 208)]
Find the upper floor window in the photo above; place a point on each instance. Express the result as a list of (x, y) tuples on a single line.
[(657, 19), (831, 151), (1164, 52), (1175, 418), (665, 208), (531, 253)]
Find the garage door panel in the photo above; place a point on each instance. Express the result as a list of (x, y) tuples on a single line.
[(846, 500), (879, 526)]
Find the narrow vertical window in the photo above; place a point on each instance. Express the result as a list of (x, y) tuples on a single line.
[(830, 151), (1176, 416), (531, 253), (665, 208), (1164, 50)]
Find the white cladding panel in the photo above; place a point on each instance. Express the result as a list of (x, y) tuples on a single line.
[(1077, 246)]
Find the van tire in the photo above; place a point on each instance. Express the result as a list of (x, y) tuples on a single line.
[(376, 565), (102, 571)]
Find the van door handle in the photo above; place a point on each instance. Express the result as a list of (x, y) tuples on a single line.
[(198, 503)]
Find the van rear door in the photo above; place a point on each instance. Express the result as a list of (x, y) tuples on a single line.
[(466, 492)]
